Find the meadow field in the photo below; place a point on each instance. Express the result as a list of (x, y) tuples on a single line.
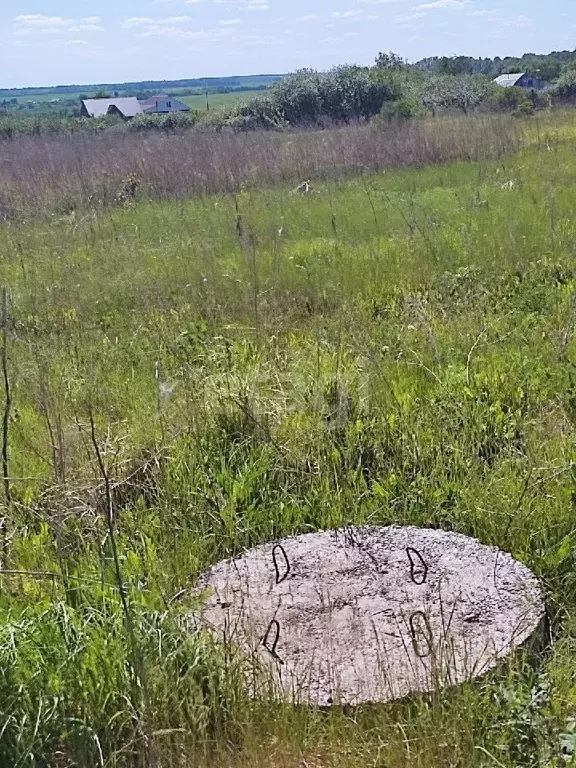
[(198, 360), (218, 99), (197, 101)]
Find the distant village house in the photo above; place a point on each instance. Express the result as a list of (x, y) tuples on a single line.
[(161, 105), (525, 80), (129, 107), (125, 108)]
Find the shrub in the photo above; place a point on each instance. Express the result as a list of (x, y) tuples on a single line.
[(513, 100), (13, 126), (311, 98), (405, 108), (565, 87), (257, 114), (173, 121)]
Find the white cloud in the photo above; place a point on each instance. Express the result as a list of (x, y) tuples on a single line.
[(212, 35), (230, 22), (39, 24), (346, 14), (246, 5), (38, 20), (146, 21), (456, 5)]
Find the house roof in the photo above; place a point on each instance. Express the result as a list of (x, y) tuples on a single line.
[(129, 106), (150, 102), (508, 81), (163, 104)]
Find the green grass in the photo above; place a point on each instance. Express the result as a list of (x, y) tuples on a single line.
[(397, 348), (43, 97), (218, 99), (195, 102)]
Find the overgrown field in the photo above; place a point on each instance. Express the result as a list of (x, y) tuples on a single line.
[(71, 174), (191, 377)]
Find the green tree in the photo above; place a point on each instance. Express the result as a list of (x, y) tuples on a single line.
[(463, 92), (565, 87), (350, 93), (345, 93), (455, 65), (390, 60), (298, 97)]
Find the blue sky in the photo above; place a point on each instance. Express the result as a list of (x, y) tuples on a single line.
[(48, 42)]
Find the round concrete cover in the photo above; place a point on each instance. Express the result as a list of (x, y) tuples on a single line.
[(373, 614)]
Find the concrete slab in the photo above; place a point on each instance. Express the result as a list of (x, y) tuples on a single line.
[(369, 614)]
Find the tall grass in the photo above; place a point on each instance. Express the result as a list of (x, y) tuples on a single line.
[(41, 175), (393, 347)]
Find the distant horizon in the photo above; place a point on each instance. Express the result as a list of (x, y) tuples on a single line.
[(154, 81), (159, 81)]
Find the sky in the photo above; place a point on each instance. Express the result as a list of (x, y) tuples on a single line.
[(59, 42)]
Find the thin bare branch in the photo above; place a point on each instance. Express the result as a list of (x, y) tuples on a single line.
[(5, 421), (137, 660)]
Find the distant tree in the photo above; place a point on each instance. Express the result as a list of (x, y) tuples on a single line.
[(565, 87), (512, 67), (514, 100), (102, 95), (353, 93), (455, 65), (547, 66), (298, 96), (463, 92), (345, 93), (390, 61)]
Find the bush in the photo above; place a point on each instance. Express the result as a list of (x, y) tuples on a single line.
[(312, 98), (13, 126), (259, 113), (173, 121), (513, 100), (355, 93), (565, 88), (406, 108)]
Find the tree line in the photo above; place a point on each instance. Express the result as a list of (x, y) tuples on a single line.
[(549, 66), (389, 90)]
